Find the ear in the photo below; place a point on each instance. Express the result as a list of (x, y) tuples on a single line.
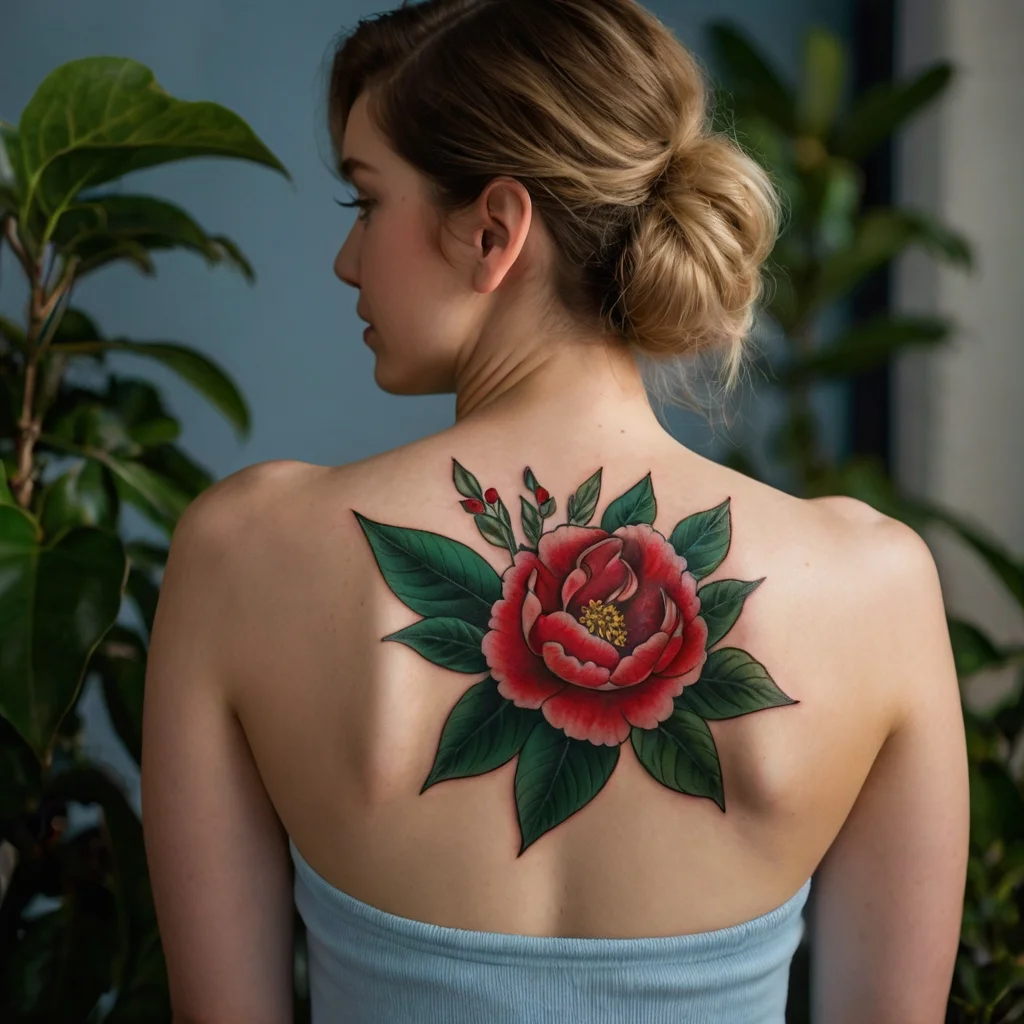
[(500, 229)]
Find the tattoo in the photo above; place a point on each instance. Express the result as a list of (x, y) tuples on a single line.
[(591, 636)]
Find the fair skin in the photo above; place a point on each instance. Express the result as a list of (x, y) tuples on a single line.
[(273, 709)]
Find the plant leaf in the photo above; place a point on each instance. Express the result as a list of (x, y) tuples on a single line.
[(637, 505), (95, 119), (99, 223), (882, 109), (721, 603), (555, 777), (732, 683), (824, 71), (56, 602), (680, 753), (532, 524), (703, 539), (205, 375), (750, 75), (583, 503), (865, 346), (482, 732), (432, 574), (465, 483), (446, 641)]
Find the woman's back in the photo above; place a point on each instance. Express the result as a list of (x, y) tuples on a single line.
[(345, 726)]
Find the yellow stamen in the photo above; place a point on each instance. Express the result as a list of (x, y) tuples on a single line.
[(606, 620)]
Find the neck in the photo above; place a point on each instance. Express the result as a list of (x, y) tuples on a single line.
[(556, 387)]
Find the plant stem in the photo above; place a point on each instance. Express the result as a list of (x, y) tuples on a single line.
[(42, 326)]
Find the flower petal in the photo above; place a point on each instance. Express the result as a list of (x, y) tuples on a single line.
[(563, 629), (585, 674)]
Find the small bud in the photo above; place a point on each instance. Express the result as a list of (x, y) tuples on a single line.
[(541, 495), (491, 495), (473, 505)]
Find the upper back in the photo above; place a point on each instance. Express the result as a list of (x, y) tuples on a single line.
[(422, 774)]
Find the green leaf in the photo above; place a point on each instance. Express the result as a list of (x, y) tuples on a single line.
[(864, 347), (548, 508), (494, 531), (432, 574), (637, 505), (731, 683), (721, 603), (446, 641), (120, 662), (972, 650), (703, 539), (997, 806), (996, 557), (95, 119), (583, 503), (555, 777), (680, 753), (465, 483), (751, 76), (80, 497), (529, 479), (482, 732), (822, 85), (140, 482), (6, 497), (56, 603), (92, 226), (532, 524), (881, 235), (882, 109), (205, 375)]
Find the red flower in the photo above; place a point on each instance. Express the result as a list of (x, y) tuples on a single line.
[(472, 505), (599, 630), (541, 495), (491, 495)]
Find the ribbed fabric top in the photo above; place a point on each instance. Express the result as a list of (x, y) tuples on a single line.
[(369, 966)]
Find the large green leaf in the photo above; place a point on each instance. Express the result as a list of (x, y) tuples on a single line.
[(681, 754), (433, 574), (634, 507), (881, 235), (120, 662), (95, 228), (482, 732), (95, 119), (56, 603), (732, 683), (821, 87), (721, 603), (882, 109), (751, 77), (205, 375), (865, 346), (446, 641), (80, 497), (556, 776), (703, 539)]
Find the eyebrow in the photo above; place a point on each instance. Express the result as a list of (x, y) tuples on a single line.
[(351, 164)]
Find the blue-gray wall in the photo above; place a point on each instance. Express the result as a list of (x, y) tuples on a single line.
[(293, 341)]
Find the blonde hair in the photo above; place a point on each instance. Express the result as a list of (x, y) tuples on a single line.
[(660, 224)]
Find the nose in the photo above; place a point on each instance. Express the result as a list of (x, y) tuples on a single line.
[(346, 263)]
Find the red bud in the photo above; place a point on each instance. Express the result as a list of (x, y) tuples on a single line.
[(542, 495), (491, 495), (472, 505)]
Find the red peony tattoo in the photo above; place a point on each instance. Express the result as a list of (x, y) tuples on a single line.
[(592, 636)]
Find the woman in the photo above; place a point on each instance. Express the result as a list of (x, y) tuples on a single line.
[(545, 717)]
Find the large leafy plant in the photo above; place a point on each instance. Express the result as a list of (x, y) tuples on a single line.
[(816, 144), (78, 936)]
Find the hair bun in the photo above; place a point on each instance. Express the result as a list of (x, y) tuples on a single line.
[(691, 273)]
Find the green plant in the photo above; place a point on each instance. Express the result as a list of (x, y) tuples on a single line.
[(815, 145), (70, 455)]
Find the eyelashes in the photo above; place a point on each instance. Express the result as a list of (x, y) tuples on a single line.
[(363, 204)]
